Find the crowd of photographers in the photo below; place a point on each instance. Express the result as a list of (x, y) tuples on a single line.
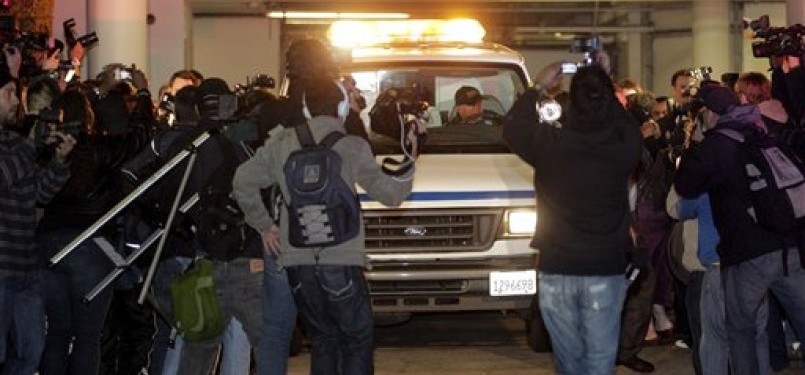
[(747, 322)]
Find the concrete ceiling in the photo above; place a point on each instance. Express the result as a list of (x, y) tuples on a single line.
[(532, 23)]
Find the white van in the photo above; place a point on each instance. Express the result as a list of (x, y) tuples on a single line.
[(460, 241)]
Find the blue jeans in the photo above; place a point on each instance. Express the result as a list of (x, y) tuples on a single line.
[(746, 286), (279, 320), (582, 315), (69, 319), (335, 307), (239, 288), (236, 354), (22, 323), (713, 347)]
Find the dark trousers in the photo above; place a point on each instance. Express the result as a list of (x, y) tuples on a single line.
[(693, 295), (72, 343), (636, 314), (128, 335), (335, 308)]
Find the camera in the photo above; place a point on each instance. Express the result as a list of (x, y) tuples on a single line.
[(777, 41), (569, 68), (589, 46), (702, 73), (87, 41), (395, 108), (123, 73)]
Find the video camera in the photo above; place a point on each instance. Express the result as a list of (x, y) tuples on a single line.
[(259, 81), (777, 41)]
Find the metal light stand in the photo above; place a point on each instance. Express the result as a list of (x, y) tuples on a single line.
[(158, 234)]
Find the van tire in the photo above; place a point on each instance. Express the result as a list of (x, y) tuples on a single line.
[(536, 334)]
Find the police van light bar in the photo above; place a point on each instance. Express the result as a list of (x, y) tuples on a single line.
[(365, 33)]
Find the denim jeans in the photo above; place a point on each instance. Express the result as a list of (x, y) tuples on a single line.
[(236, 352), (335, 307), (582, 315), (70, 321), (279, 319), (235, 356), (239, 288), (22, 323), (746, 286), (713, 347)]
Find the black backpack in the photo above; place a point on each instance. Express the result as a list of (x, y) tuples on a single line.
[(775, 178), (323, 209), (221, 228)]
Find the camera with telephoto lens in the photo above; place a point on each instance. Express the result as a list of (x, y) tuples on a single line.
[(777, 41)]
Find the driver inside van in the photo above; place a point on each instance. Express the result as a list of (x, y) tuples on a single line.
[(469, 109)]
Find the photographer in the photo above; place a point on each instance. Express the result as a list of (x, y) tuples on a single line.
[(754, 260), (583, 231), (74, 327), (24, 184)]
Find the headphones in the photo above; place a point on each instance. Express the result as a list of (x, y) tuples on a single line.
[(343, 105)]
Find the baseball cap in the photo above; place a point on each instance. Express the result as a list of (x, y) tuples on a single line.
[(468, 95), (718, 99)]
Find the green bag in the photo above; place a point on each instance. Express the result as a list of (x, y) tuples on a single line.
[(195, 305)]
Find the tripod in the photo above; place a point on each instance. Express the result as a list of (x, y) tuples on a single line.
[(158, 235)]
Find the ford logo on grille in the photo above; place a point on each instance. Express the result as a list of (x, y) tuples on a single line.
[(416, 231)]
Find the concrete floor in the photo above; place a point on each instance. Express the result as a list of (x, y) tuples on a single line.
[(482, 344)]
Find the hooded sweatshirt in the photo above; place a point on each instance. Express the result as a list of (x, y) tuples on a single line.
[(581, 173)]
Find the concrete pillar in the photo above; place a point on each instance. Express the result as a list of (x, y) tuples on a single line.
[(121, 28), (795, 12), (711, 35), (636, 51), (169, 40)]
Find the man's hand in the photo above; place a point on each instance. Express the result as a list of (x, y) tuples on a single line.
[(271, 240), (550, 76), (13, 59), (77, 52), (51, 62), (650, 129), (138, 79), (789, 63), (65, 144)]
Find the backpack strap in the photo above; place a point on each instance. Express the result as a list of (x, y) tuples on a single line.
[(331, 139), (732, 134), (304, 135)]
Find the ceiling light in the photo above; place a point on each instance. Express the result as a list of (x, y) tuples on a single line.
[(336, 15)]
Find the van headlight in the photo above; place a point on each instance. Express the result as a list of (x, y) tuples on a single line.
[(521, 221)]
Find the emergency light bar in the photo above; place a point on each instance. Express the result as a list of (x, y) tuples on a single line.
[(349, 34)]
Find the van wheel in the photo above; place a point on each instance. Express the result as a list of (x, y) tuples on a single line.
[(536, 335)]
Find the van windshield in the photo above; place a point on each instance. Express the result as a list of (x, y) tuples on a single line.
[(436, 84)]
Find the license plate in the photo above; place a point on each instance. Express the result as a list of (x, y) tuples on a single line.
[(512, 283)]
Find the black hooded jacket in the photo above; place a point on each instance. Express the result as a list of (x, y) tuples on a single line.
[(581, 173), (714, 166)]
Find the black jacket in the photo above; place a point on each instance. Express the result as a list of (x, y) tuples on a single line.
[(581, 173), (714, 167)]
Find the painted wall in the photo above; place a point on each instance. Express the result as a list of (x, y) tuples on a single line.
[(236, 48)]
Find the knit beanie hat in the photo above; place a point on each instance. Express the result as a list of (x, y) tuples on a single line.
[(718, 99)]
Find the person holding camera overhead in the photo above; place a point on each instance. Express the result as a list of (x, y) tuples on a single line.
[(583, 232), (23, 185)]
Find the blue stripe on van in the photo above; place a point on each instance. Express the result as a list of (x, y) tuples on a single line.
[(461, 195)]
